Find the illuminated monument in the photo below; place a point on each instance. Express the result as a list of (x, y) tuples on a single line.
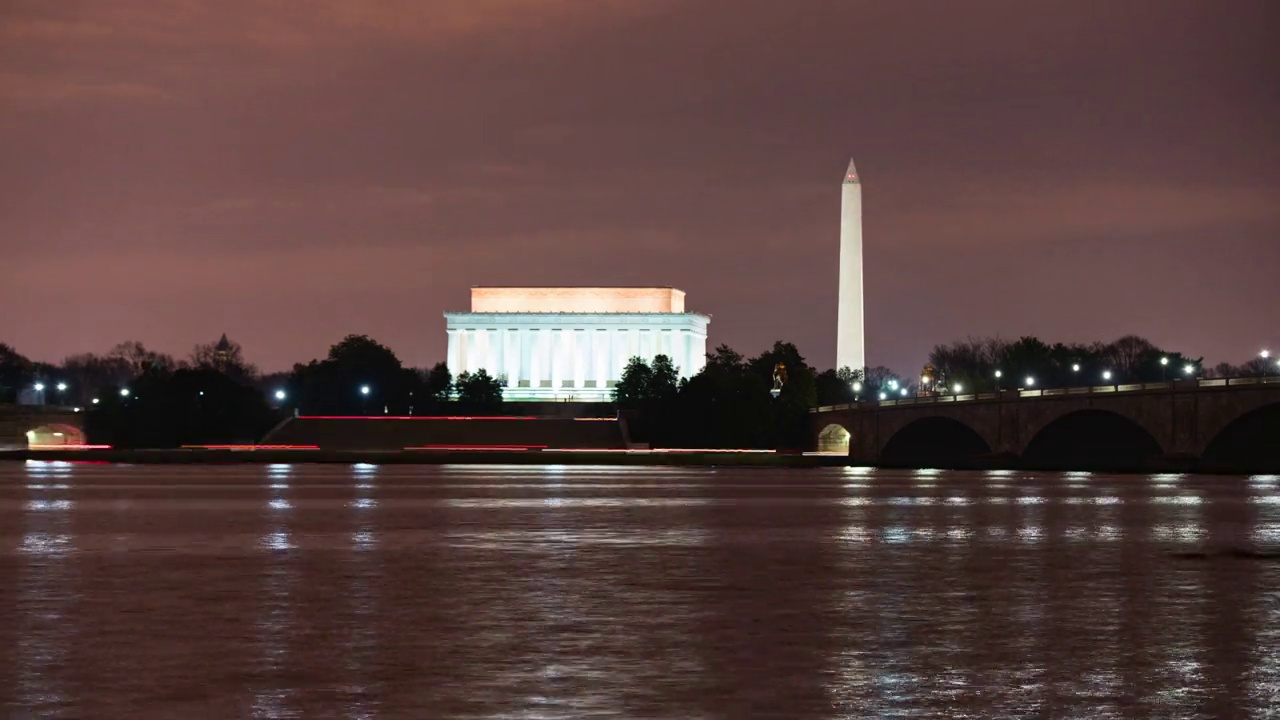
[(572, 343), (850, 348)]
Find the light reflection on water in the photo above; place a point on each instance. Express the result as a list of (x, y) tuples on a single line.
[(275, 617), (569, 592)]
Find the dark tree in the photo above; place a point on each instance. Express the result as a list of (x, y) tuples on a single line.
[(15, 373), (479, 390), (438, 383), (337, 385), (226, 357), (835, 388), (799, 387), (138, 360), (632, 389), (88, 376), (664, 380), (725, 405), (880, 380), (166, 409)]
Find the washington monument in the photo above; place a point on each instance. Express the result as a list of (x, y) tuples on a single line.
[(850, 348)]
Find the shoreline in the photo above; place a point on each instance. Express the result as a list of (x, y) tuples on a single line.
[(430, 457), (630, 458)]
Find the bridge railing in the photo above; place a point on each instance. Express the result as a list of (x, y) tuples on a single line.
[(1050, 392)]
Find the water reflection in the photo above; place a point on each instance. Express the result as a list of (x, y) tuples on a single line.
[(468, 592), (271, 699), (45, 590)]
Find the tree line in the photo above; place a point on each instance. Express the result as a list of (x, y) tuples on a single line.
[(730, 403), (987, 364), (136, 397)]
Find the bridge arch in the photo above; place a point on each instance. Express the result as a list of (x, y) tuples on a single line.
[(1092, 438), (934, 441), (834, 439), (1249, 441), (54, 435)]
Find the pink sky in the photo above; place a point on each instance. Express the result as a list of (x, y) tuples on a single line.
[(290, 172)]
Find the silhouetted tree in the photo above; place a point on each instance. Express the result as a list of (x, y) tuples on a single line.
[(185, 407), (269, 383), (799, 388), (1029, 357), (973, 363), (334, 386), (139, 360), (632, 389), (1255, 367), (438, 383), (15, 373), (89, 375), (881, 380), (226, 357), (724, 405), (478, 389), (835, 387)]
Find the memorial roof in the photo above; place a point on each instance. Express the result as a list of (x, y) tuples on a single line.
[(577, 300)]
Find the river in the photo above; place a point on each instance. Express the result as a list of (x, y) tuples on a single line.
[(316, 591)]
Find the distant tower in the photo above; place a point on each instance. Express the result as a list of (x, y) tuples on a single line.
[(850, 348), (222, 351)]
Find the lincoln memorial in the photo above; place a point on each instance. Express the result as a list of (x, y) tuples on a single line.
[(572, 343)]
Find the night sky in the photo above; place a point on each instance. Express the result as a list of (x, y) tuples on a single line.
[(289, 172)]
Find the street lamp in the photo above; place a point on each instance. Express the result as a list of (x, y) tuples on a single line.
[(1075, 367), (956, 388), (883, 396), (95, 401), (857, 389), (1031, 382), (1163, 362), (904, 392), (124, 392), (1189, 369), (1265, 354), (1106, 374), (39, 387), (364, 389), (279, 394)]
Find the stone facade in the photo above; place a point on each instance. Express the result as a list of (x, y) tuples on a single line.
[(21, 425), (572, 343), (850, 338), (1183, 417)]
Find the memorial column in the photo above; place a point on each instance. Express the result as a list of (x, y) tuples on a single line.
[(452, 358), (511, 355)]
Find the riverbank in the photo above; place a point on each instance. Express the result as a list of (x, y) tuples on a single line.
[(635, 458), (740, 458)]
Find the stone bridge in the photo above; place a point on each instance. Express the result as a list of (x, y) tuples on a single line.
[(1216, 424), (23, 426)]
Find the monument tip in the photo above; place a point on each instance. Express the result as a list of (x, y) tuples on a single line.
[(851, 175)]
